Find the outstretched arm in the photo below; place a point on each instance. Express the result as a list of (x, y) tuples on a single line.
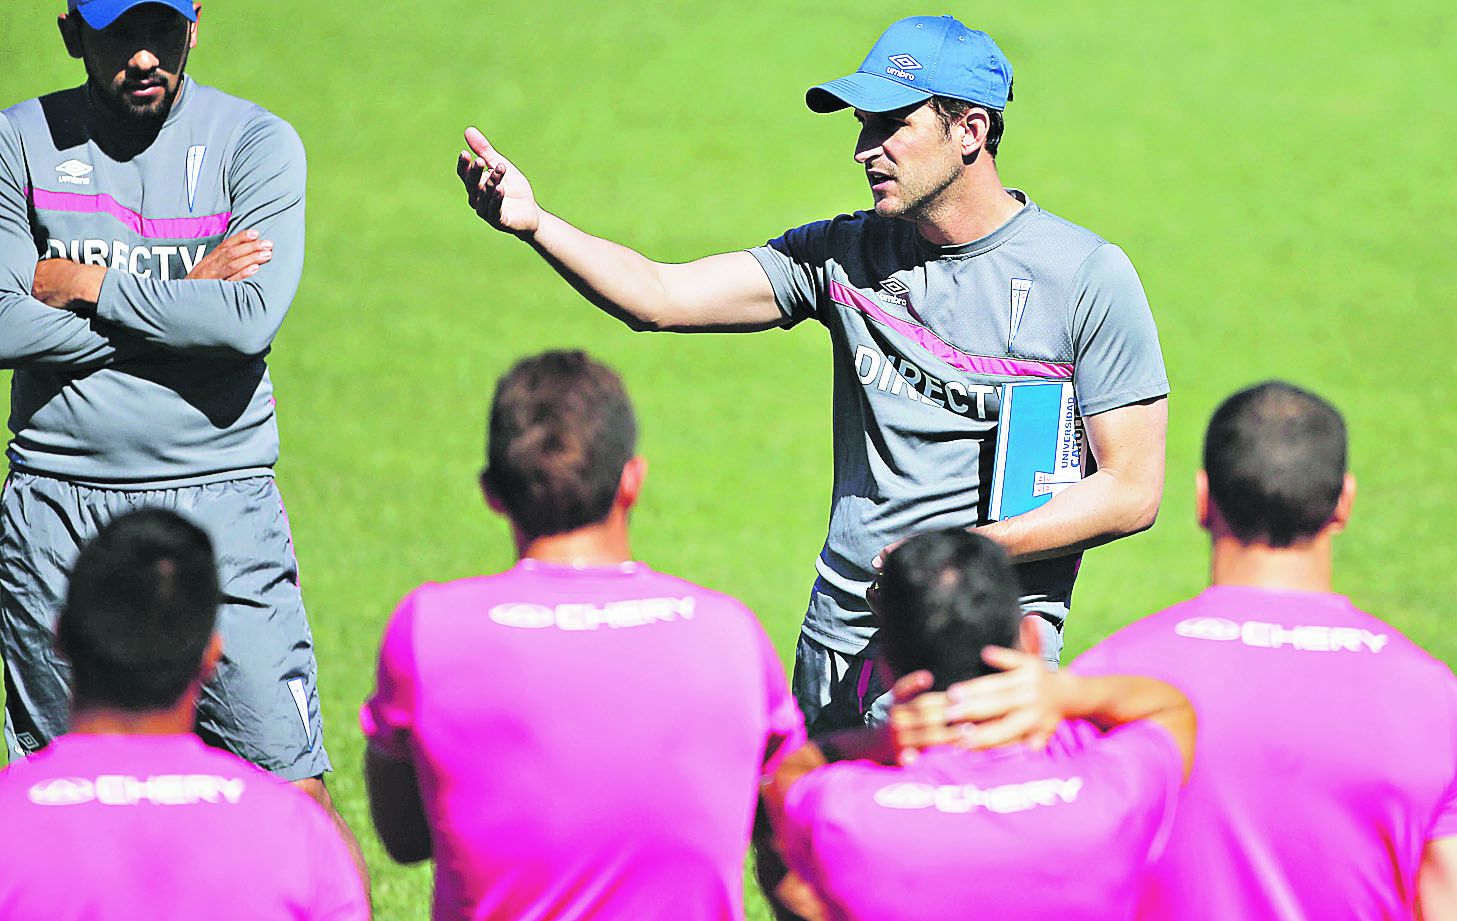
[(728, 292), (234, 300)]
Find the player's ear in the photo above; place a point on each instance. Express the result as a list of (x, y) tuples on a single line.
[(1030, 634), (1201, 498), (192, 29), (976, 124), (211, 656), (69, 34), (1342, 514), (493, 501), (629, 487)]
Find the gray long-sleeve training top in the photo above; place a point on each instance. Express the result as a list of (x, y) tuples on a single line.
[(166, 385)]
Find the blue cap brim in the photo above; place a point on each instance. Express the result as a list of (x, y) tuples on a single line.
[(866, 92), (101, 13)]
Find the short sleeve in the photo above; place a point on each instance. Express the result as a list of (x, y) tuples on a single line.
[(387, 718), (1444, 822), (784, 722), (1116, 354), (1146, 757), (795, 263)]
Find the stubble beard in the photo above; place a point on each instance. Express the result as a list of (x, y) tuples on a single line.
[(919, 206)]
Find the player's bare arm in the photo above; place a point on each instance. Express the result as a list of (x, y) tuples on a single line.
[(394, 804), (1120, 498), (1437, 881), (75, 286), (727, 292), (849, 744), (1025, 702)]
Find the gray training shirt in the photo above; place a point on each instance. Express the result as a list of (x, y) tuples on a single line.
[(166, 386), (923, 336)]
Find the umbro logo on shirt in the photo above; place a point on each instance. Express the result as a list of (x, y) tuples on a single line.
[(75, 172), (896, 292)]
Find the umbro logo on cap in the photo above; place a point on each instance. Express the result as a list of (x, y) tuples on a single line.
[(905, 62)]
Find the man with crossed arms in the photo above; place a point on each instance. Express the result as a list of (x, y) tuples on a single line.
[(168, 221)]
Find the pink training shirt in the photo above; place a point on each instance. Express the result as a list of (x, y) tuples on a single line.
[(1063, 834), (589, 742), (1327, 756), (102, 827)]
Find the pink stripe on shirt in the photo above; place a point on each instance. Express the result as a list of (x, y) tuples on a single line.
[(974, 364), (156, 228)]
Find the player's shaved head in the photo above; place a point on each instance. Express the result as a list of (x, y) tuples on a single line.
[(1275, 456), (140, 611), (561, 431), (943, 596)]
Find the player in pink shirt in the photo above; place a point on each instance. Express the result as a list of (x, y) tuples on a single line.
[(579, 737), (1045, 821), (131, 816), (1327, 769)]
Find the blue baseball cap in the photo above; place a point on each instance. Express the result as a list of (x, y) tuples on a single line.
[(101, 13), (916, 59)]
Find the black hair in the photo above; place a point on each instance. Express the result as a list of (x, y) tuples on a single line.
[(944, 595), (561, 430), (1275, 456), (140, 611), (949, 109)]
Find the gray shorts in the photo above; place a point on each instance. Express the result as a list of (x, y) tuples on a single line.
[(263, 702), (837, 690)]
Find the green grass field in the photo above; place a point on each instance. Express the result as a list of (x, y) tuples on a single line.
[(1280, 173)]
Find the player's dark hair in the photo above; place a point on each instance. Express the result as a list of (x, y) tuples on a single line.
[(561, 430), (1275, 456), (140, 611), (943, 596), (949, 109)]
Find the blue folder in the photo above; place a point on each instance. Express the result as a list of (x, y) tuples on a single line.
[(1039, 446)]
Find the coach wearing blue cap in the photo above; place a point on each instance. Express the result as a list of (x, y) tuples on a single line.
[(151, 241), (945, 292)]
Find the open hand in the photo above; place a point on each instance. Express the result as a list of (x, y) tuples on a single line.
[(496, 189), (1023, 703), (236, 258), (919, 718)]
